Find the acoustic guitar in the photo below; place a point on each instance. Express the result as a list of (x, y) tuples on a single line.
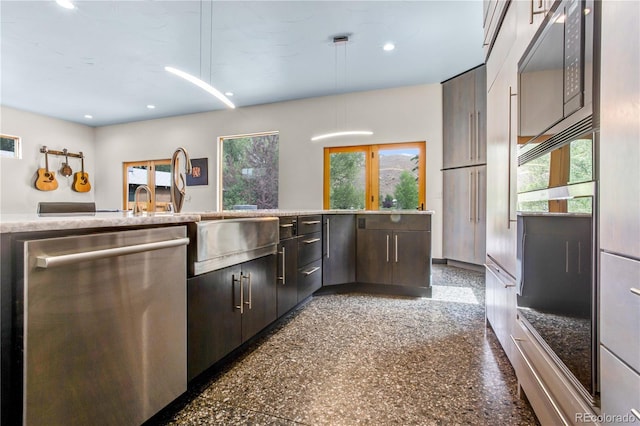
[(81, 179), (46, 180)]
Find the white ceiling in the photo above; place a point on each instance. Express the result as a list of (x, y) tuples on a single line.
[(107, 58)]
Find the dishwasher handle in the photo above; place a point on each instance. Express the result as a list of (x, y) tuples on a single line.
[(67, 259)]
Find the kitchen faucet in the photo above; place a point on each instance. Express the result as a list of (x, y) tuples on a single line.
[(177, 191), (136, 197)]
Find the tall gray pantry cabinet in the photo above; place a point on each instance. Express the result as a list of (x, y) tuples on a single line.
[(464, 104)]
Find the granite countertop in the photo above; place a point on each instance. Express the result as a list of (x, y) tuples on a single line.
[(259, 213), (31, 222), (26, 222)]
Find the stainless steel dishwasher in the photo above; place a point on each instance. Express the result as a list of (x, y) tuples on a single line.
[(104, 326)]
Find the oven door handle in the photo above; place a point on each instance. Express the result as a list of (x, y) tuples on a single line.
[(71, 258)]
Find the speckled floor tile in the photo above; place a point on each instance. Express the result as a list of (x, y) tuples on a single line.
[(372, 360)]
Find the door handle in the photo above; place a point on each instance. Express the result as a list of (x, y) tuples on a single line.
[(248, 277), (311, 241), (470, 196), (471, 136), (396, 246), (387, 247), (311, 222), (233, 283), (478, 196), (511, 94), (328, 246), (284, 271)]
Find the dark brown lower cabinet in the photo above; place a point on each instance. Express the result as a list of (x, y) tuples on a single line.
[(394, 249), (226, 308)]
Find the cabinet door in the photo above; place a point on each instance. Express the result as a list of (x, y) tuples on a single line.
[(339, 249), (287, 284), (459, 113), (501, 192), (460, 214), (373, 256), (213, 321), (411, 258), (259, 286), (480, 230)]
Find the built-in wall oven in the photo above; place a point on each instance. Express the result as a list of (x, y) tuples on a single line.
[(557, 193)]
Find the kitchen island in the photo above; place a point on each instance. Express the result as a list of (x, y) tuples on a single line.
[(320, 260)]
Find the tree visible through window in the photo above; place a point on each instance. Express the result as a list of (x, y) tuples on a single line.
[(250, 172)]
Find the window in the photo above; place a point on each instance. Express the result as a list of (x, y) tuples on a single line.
[(249, 171), (156, 174), (375, 177), (10, 146)]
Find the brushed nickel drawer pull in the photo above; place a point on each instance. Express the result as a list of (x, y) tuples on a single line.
[(635, 291), (284, 263), (311, 222), (233, 282), (287, 225), (310, 271), (311, 241), (328, 246), (635, 413)]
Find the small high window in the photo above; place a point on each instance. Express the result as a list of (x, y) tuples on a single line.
[(10, 146)]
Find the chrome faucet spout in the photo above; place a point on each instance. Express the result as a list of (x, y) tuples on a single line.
[(136, 197), (177, 190)]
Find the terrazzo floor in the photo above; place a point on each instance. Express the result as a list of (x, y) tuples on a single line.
[(368, 359)]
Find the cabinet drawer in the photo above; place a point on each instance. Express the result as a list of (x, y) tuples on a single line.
[(405, 222), (309, 248), (620, 307), (619, 388), (309, 279), (309, 224), (288, 227)]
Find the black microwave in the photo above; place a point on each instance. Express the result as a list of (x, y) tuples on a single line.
[(555, 74)]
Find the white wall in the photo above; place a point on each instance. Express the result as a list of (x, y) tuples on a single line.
[(406, 114), (18, 193)]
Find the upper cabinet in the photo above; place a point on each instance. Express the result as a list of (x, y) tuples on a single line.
[(464, 119)]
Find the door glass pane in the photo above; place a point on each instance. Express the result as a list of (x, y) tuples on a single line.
[(163, 182), (398, 179), (347, 180), (136, 176)]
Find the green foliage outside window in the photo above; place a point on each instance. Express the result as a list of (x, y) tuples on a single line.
[(406, 192), (344, 170)]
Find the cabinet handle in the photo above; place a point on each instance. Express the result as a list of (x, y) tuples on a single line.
[(287, 225), (635, 413), (477, 135), (635, 291), (536, 13), (248, 277), (566, 257), (328, 247), (396, 246), (470, 196), (233, 282), (387, 247), (283, 278), (471, 136), (478, 196), (311, 222), (511, 94), (311, 271), (311, 241)]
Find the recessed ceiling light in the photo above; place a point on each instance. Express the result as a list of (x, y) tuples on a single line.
[(228, 93), (66, 4), (151, 106), (388, 47), (88, 116)]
